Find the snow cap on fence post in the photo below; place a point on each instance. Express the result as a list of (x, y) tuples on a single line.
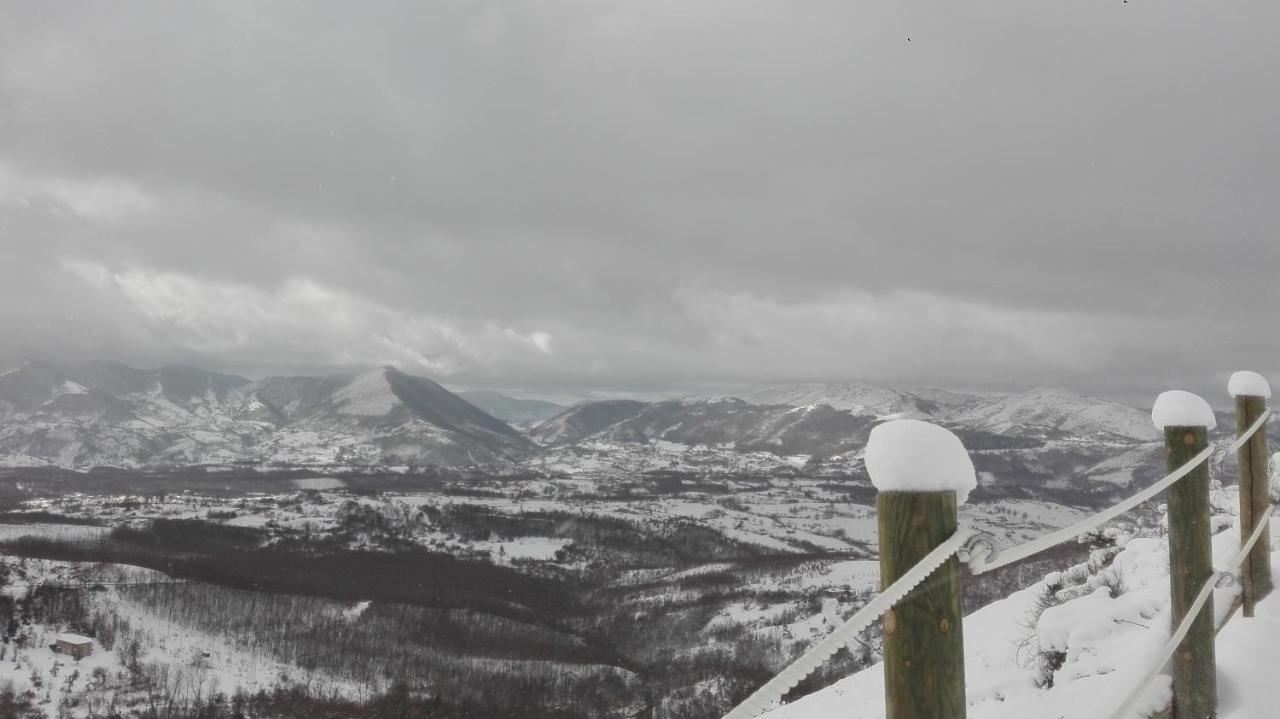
[(907, 455), (1249, 384), (1179, 408), (923, 473)]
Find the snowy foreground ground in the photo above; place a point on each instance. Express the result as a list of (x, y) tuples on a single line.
[(1104, 645)]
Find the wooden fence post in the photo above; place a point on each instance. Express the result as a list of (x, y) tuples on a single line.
[(923, 637), (1195, 681), (1255, 497)]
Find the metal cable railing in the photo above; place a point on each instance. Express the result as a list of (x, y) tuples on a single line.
[(978, 550)]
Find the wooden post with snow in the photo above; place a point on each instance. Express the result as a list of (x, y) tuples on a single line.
[(1251, 392), (923, 472), (1186, 420)]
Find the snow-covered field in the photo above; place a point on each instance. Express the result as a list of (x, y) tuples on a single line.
[(782, 515), (46, 530)]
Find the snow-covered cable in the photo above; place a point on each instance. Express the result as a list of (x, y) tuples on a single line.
[(1248, 433), (776, 688), (1039, 544), (1247, 547), (1185, 626), (1171, 646)]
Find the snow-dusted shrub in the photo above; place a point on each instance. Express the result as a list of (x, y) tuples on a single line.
[(1057, 589), (1095, 606), (1045, 663)]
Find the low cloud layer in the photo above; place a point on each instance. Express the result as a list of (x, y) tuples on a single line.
[(601, 194)]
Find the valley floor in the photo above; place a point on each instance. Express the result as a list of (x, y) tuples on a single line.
[(645, 603)]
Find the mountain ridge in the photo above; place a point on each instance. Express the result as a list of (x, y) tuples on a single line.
[(80, 414), (513, 410), (86, 414), (1046, 409)]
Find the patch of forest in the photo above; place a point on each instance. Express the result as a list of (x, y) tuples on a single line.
[(600, 543), (237, 557), (462, 660), (413, 661), (400, 702)]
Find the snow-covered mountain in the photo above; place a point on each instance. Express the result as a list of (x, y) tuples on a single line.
[(816, 430), (80, 414), (104, 413), (866, 399), (1037, 411), (586, 419), (1057, 409), (1048, 444), (828, 415)]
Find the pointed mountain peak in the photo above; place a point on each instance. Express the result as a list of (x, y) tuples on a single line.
[(368, 394)]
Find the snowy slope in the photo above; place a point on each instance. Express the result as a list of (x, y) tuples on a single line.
[(1054, 408), (1037, 410), (1247, 654), (1106, 643), (210, 661), (584, 420)]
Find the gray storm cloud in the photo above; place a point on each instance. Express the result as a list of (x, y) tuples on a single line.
[(606, 193)]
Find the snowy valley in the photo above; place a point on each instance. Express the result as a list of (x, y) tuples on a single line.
[(615, 559)]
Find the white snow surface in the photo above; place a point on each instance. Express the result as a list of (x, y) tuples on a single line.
[(908, 455), (1179, 408), (1245, 652), (1248, 384)]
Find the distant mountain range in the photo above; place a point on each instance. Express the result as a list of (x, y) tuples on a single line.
[(1043, 409), (104, 413), (862, 398), (83, 414), (514, 410), (784, 430)]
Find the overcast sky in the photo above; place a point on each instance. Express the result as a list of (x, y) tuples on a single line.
[(648, 194)]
